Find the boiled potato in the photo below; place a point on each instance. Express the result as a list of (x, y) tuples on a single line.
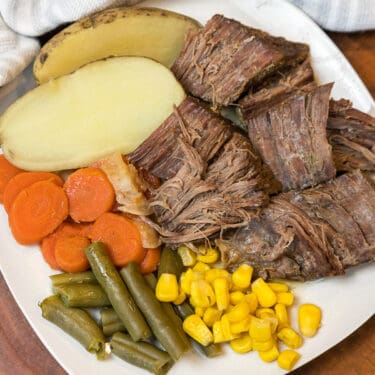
[(107, 106), (149, 32)]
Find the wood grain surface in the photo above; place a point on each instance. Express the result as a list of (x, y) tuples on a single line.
[(21, 352)]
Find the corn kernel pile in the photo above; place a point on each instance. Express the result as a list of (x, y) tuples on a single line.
[(230, 307)]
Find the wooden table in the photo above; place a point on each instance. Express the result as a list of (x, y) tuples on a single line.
[(21, 352)]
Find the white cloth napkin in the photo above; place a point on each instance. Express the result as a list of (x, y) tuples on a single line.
[(21, 20)]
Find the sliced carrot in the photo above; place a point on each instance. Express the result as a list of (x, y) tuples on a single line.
[(7, 171), (22, 180), (151, 261), (90, 194), (37, 211), (66, 229), (121, 237), (69, 253), (47, 248)]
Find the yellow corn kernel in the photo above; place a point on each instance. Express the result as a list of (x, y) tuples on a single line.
[(281, 315), (242, 345), (194, 326), (181, 298), (278, 287), (186, 279), (290, 337), (287, 359), (269, 355), (286, 298), (260, 329), (309, 318), (209, 255), (187, 256), (263, 312), (211, 315), (201, 267), (239, 312), (236, 297), (167, 287), (225, 324), (221, 331), (241, 277), (214, 273), (263, 345), (252, 300), (199, 311), (265, 295), (201, 294), (217, 331), (241, 326), (221, 288)]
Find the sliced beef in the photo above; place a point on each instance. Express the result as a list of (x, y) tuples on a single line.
[(161, 154), (352, 136), (291, 138), (310, 234), (220, 61), (201, 201), (281, 83)]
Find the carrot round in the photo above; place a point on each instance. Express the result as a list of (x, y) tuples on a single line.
[(22, 180), (66, 229), (37, 211), (69, 253), (121, 237), (7, 171), (90, 194), (151, 261)]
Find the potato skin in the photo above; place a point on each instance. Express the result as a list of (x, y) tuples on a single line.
[(150, 24)]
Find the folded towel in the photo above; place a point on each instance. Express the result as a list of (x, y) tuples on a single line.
[(21, 20)]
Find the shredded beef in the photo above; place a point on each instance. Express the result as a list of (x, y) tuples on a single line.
[(200, 200), (310, 234), (352, 136), (220, 61), (291, 138)]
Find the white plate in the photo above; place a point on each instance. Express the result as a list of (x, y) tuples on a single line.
[(347, 301)]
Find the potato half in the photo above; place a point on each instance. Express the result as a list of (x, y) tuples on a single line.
[(107, 106), (149, 32)]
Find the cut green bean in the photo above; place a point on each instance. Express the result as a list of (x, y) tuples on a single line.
[(76, 322), (73, 278), (170, 336), (211, 350), (117, 292), (82, 295), (168, 307), (170, 262), (141, 354), (110, 322)]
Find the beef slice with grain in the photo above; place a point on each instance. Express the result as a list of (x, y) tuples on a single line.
[(352, 136), (310, 234), (161, 154), (280, 84), (291, 138), (221, 60)]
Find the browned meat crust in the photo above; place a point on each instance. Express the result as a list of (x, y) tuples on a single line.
[(310, 234), (291, 138), (220, 61), (352, 136)]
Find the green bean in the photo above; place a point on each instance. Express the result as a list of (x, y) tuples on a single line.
[(110, 322), (211, 350), (141, 354), (170, 336), (168, 308), (117, 292), (76, 322), (82, 295), (73, 278), (170, 262)]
